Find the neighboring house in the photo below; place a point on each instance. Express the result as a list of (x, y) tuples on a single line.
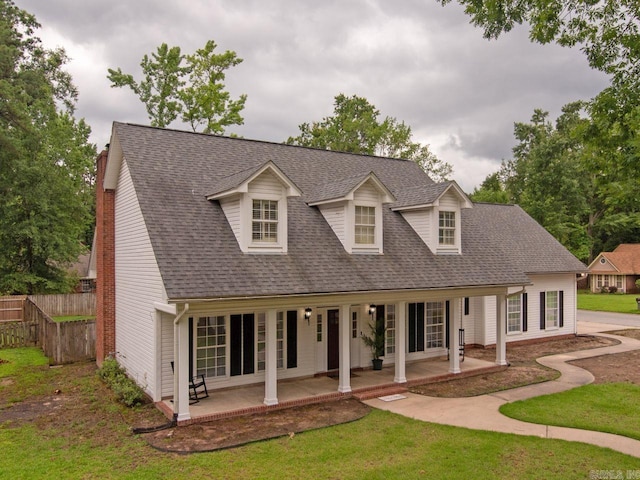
[(619, 269), (85, 272), (253, 262)]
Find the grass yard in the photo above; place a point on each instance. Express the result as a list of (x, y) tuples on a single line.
[(607, 407), (608, 302), (80, 432), (73, 318)]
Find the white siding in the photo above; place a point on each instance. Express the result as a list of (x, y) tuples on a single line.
[(231, 208), (267, 185), (541, 283), (166, 355), (421, 222), (367, 193), (138, 286), (449, 201), (335, 217)]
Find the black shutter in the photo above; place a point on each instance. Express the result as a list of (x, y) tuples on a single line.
[(525, 318), (561, 307), (466, 305), (190, 347), (380, 326), (292, 339), (542, 311), (412, 327), (248, 343), (235, 345), (446, 322)]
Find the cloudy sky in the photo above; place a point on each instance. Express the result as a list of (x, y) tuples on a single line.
[(414, 60)]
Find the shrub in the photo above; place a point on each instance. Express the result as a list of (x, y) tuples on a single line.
[(613, 289), (604, 290), (125, 389)]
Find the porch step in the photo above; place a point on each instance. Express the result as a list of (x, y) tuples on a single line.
[(381, 391)]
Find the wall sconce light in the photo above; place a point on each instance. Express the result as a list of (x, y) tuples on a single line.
[(372, 309), (307, 314)]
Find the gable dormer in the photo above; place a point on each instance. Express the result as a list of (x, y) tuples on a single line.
[(434, 212), (353, 209), (255, 204)]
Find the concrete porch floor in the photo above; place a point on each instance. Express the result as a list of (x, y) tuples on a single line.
[(365, 384)]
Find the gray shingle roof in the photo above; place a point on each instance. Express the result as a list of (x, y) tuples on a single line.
[(199, 257), (421, 195)]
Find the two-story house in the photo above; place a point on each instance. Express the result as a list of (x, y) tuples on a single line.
[(251, 262)]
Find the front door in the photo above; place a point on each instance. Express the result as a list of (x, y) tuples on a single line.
[(333, 344)]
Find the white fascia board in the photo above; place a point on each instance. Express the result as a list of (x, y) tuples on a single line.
[(465, 202), (169, 308), (114, 163), (291, 188), (387, 196)]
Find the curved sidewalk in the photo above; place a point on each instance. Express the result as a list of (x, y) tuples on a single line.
[(481, 412)]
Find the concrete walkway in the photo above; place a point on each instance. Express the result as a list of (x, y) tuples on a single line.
[(481, 412)]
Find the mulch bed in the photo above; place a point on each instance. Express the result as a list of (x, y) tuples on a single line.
[(236, 431)]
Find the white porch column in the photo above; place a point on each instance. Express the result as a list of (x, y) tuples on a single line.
[(181, 369), (454, 347), (345, 357), (501, 330), (271, 360), (401, 341)]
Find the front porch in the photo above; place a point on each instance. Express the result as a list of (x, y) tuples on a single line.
[(365, 384)]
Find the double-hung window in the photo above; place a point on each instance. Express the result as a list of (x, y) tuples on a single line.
[(435, 324), (264, 225), (365, 226), (551, 310), (447, 228), (514, 314)]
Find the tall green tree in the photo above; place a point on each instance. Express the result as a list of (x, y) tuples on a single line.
[(355, 127), (46, 162), (187, 86)]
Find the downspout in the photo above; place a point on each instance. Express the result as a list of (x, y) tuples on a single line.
[(176, 362)]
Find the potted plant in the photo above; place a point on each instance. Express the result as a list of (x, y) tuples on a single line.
[(375, 341)]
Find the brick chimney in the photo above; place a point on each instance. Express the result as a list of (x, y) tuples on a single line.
[(105, 264)]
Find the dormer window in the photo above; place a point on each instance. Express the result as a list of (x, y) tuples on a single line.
[(434, 212), (264, 227), (255, 204), (447, 229), (365, 226), (353, 208)]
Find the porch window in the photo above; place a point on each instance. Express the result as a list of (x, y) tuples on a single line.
[(390, 333), (264, 227), (211, 346), (354, 324), (447, 230), (514, 314), (435, 324), (619, 281), (365, 225), (599, 281)]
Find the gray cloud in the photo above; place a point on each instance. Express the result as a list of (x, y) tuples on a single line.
[(414, 60)]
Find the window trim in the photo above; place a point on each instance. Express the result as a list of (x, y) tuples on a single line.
[(371, 214), (514, 312), (263, 222), (449, 230)]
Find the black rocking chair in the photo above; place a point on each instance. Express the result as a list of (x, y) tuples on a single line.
[(197, 388)]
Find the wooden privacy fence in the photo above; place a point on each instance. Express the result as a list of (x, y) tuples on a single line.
[(62, 342), (67, 304), (11, 308)]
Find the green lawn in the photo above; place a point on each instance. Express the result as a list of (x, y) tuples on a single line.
[(73, 318), (608, 302), (90, 438), (609, 407)]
